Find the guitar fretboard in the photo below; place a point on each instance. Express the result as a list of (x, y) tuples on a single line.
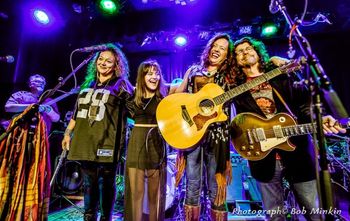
[(296, 130), (246, 86), (302, 129)]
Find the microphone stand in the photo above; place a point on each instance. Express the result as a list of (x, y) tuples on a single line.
[(319, 82)]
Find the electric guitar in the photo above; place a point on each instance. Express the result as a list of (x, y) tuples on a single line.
[(183, 118), (255, 137)]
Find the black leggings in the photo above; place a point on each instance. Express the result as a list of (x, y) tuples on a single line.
[(99, 186)]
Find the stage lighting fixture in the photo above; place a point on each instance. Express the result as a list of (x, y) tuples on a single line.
[(41, 16), (109, 7), (180, 40), (269, 29), (245, 30)]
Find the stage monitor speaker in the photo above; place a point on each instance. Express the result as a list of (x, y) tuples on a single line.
[(67, 184), (69, 179)]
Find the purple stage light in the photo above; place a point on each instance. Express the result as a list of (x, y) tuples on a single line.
[(180, 40), (38, 17), (41, 16)]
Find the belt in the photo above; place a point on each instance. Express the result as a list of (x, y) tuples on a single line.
[(145, 125)]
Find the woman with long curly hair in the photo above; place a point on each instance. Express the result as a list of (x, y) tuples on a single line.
[(213, 152), (96, 133)]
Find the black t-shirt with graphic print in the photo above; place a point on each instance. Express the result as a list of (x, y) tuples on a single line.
[(100, 120)]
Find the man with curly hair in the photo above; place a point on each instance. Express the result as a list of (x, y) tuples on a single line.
[(251, 60)]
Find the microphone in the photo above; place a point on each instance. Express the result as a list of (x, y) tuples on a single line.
[(7, 58), (93, 48), (291, 52), (273, 7)]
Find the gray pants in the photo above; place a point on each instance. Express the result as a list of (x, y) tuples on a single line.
[(273, 197)]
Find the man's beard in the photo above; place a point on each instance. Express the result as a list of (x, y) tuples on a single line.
[(249, 62)]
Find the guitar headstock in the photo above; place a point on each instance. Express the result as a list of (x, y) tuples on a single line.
[(293, 65)]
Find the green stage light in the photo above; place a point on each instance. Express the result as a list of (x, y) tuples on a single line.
[(269, 30), (109, 7)]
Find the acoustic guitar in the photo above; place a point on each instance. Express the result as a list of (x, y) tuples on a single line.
[(183, 118), (255, 137)]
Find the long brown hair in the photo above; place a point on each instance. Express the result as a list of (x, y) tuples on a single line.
[(225, 66), (141, 87), (209, 46)]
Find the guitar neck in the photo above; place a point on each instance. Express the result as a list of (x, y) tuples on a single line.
[(246, 86), (295, 130), (301, 129), (75, 90)]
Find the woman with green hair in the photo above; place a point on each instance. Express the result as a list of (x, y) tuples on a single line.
[(96, 133)]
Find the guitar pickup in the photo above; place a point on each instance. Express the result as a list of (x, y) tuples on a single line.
[(278, 131), (260, 133)]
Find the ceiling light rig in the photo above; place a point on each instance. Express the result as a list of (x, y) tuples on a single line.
[(152, 4), (199, 35)]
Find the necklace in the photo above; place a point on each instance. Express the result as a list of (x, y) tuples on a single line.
[(144, 107), (209, 73)]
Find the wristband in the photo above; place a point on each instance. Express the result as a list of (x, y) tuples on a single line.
[(48, 109), (68, 132)]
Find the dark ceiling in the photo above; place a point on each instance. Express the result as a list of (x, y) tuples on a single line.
[(136, 17), (82, 23)]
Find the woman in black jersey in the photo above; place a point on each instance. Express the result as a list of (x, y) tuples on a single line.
[(146, 154), (96, 134)]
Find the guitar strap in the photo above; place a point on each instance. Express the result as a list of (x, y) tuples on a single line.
[(284, 103)]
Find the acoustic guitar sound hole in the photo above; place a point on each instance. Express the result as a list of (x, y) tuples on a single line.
[(206, 106)]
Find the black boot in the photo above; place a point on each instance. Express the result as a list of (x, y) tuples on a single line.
[(90, 216)]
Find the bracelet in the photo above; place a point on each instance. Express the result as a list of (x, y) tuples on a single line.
[(48, 109), (68, 132)]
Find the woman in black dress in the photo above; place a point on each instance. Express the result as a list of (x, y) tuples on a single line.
[(146, 154)]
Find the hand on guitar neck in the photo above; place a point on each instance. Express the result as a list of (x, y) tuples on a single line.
[(331, 126)]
